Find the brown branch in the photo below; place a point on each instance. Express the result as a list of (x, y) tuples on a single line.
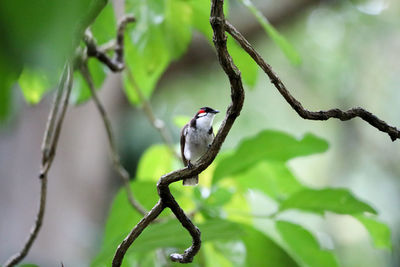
[(49, 146), (157, 123), (122, 172), (166, 198), (367, 116), (115, 64)]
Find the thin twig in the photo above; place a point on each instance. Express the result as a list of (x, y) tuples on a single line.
[(115, 64), (367, 116), (122, 172), (166, 198), (50, 141), (157, 123)]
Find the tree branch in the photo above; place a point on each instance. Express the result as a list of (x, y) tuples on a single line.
[(49, 146), (367, 116), (115, 64), (166, 198), (122, 172)]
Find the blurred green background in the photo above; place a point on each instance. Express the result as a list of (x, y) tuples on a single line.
[(349, 57)]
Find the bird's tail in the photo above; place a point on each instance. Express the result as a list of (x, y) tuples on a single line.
[(191, 181)]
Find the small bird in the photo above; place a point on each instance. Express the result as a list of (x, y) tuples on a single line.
[(196, 138)]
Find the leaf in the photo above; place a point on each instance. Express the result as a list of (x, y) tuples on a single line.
[(321, 200), (268, 146), (146, 67), (162, 33), (80, 91), (155, 162), (44, 33), (34, 84), (178, 16), (380, 232), (304, 246), (289, 51), (104, 27), (216, 258), (28, 265), (247, 66), (211, 206), (122, 217), (272, 178), (259, 246), (201, 16)]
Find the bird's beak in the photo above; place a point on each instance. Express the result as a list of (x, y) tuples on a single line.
[(216, 111)]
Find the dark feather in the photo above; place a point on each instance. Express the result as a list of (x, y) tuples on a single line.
[(193, 123), (183, 141)]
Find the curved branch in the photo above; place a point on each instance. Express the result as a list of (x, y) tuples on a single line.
[(136, 231), (115, 64), (166, 198), (122, 172), (367, 116), (49, 146)]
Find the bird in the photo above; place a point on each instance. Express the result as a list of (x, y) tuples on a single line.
[(196, 137)]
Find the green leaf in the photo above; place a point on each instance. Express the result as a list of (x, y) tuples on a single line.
[(268, 146), (172, 234), (211, 206), (80, 91), (215, 258), (44, 33), (272, 178), (201, 10), (261, 247), (380, 232), (146, 65), (28, 265), (177, 27), (304, 246), (247, 66), (320, 200), (34, 84), (122, 217), (289, 51), (155, 162), (162, 33), (201, 17), (104, 27)]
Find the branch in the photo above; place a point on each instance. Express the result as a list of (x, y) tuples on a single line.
[(122, 172), (166, 198), (367, 116), (157, 123), (49, 146), (115, 64)]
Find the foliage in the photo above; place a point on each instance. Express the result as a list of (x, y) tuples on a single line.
[(265, 170), (39, 43), (161, 34)]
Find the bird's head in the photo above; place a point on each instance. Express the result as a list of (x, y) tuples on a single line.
[(205, 116)]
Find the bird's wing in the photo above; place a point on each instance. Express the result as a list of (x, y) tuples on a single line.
[(183, 141)]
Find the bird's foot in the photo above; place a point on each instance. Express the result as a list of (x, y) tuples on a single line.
[(190, 165)]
